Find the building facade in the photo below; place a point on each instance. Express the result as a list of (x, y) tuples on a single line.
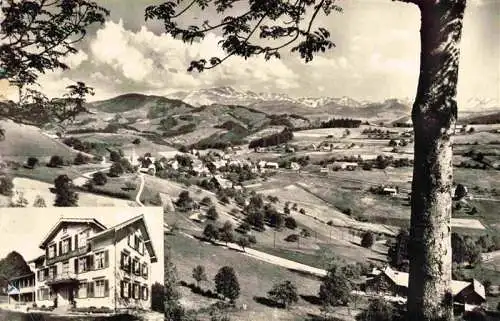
[(88, 265)]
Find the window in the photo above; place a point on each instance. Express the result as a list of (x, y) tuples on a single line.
[(100, 260), (82, 238), (51, 273), (125, 261), (82, 290), (82, 264), (52, 251), (43, 294), (99, 289), (65, 246), (125, 289), (136, 291), (145, 270), (145, 293), (136, 266), (65, 267)]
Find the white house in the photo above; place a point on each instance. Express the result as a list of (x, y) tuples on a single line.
[(87, 264)]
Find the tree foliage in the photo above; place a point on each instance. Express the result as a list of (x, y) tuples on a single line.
[(284, 293), (6, 185), (367, 239), (99, 178), (263, 18), (199, 274), (226, 283), (64, 189), (13, 265), (39, 202)]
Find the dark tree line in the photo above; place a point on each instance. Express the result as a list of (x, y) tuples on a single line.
[(273, 140), (341, 123)]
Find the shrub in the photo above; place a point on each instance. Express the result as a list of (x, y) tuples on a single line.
[(367, 239), (80, 159), (116, 169), (284, 293), (99, 178), (302, 211), (290, 223), (56, 161), (292, 238), (252, 239), (32, 162), (212, 213), (6, 185), (136, 141)]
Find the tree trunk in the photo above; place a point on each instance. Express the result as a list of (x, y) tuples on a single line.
[(434, 116)]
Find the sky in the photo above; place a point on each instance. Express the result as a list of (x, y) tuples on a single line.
[(23, 229), (376, 56)]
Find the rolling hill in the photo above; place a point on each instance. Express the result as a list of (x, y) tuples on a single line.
[(22, 141)]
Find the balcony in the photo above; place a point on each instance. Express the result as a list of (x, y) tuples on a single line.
[(68, 255), (62, 278)]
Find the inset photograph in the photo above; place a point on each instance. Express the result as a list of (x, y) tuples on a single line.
[(99, 261)]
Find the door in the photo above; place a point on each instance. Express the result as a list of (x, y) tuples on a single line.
[(63, 296)]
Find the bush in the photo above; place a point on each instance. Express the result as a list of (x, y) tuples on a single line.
[(6, 185), (292, 238), (284, 293), (212, 213), (290, 223), (56, 161), (116, 170), (80, 159), (252, 239), (367, 239), (207, 201), (32, 162), (99, 178), (136, 141), (302, 211)]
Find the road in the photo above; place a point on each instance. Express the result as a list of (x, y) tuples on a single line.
[(141, 188)]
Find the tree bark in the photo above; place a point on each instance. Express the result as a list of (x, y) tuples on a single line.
[(434, 117)]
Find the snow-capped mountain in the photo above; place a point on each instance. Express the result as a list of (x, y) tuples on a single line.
[(481, 104), (231, 96)]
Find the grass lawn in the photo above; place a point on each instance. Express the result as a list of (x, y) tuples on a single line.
[(255, 278)]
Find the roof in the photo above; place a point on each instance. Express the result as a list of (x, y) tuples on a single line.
[(40, 257), (401, 279), (144, 230), (55, 229), (21, 276)]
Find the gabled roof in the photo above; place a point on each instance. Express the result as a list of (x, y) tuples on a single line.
[(401, 279), (58, 226), (144, 231)]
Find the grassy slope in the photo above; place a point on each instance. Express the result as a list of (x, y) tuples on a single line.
[(23, 141), (255, 278)]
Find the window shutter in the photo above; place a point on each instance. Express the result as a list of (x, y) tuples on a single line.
[(47, 252), (60, 248), (106, 288), (76, 265), (55, 270), (122, 288), (122, 260), (129, 289), (106, 258), (147, 293), (69, 244), (129, 264), (76, 241)]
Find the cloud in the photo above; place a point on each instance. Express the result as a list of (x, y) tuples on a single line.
[(75, 60), (160, 61)]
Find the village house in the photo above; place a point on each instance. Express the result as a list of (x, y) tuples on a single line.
[(466, 295), (271, 165), (392, 191), (87, 264), (345, 165), (294, 166)]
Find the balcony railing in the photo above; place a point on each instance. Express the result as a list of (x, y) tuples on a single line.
[(68, 255), (65, 277)]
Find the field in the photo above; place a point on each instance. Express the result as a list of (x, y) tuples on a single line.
[(255, 278), (23, 141)]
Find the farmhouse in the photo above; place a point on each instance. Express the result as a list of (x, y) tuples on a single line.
[(271, 165), (86, 264), (396, 283), (390, 191)]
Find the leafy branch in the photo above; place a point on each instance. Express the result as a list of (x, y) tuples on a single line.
[(285, 22)]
